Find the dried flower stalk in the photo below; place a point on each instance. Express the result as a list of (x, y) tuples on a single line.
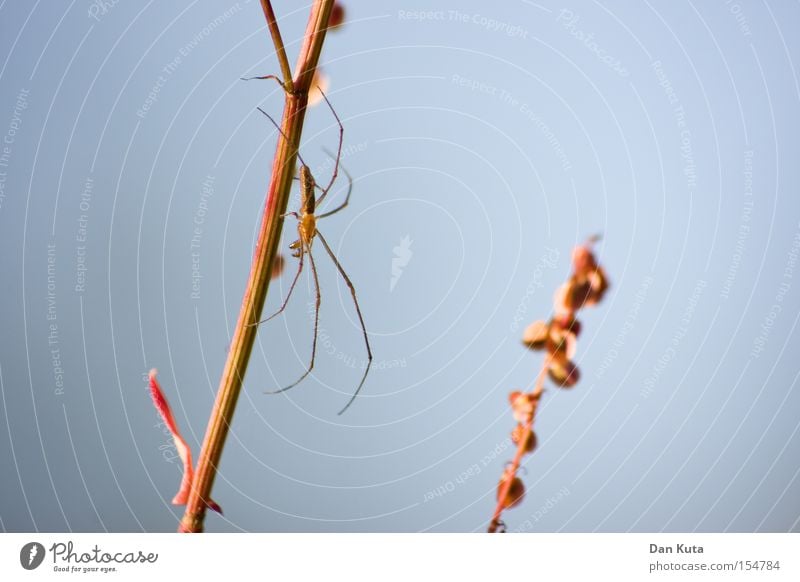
[(586, 286)]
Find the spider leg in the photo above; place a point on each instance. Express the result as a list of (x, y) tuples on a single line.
[(288, 295), (339, 151), (316, 325), (278, 127), (346, 198), (360, 318), (277, 79)]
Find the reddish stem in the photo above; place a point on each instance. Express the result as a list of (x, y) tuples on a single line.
[(266, 248), (511, 472)]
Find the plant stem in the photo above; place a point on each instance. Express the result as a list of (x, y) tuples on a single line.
[(526, 433), (269, 235), (280, 50)]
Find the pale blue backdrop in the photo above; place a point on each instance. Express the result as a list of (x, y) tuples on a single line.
[(485, 140)]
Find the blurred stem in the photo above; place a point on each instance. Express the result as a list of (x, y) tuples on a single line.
[(511, 472), (269, 235), (275, 32)]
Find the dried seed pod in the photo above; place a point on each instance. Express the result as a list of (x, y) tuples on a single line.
[(561, 304), (586, 286), (515, 492), (583, 260), (319, 84), (535, 335), (571, 296), (337, 16), (565, 374), (598, 282), (561, 344), (516, 437), (277, 266), (581, 293), (567, 322), (522, 404)]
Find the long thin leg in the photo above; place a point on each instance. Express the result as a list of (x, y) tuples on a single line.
[(278, 127), (338, 152), (346, 198), (277, 79), (291, 288), (360, 318), (316, 326), (288, 295)]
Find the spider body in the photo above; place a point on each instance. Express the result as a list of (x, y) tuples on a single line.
[(307, 219)]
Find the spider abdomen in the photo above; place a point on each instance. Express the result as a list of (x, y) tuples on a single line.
[(307, 228)]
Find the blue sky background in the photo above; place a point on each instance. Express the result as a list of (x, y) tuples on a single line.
[(494, 137)]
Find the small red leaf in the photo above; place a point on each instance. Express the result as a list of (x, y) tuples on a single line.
[(162, 406), (214, 506)]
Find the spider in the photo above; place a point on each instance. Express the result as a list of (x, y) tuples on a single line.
[(307, 231)]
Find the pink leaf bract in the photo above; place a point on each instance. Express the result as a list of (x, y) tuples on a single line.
[(162, 406)]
